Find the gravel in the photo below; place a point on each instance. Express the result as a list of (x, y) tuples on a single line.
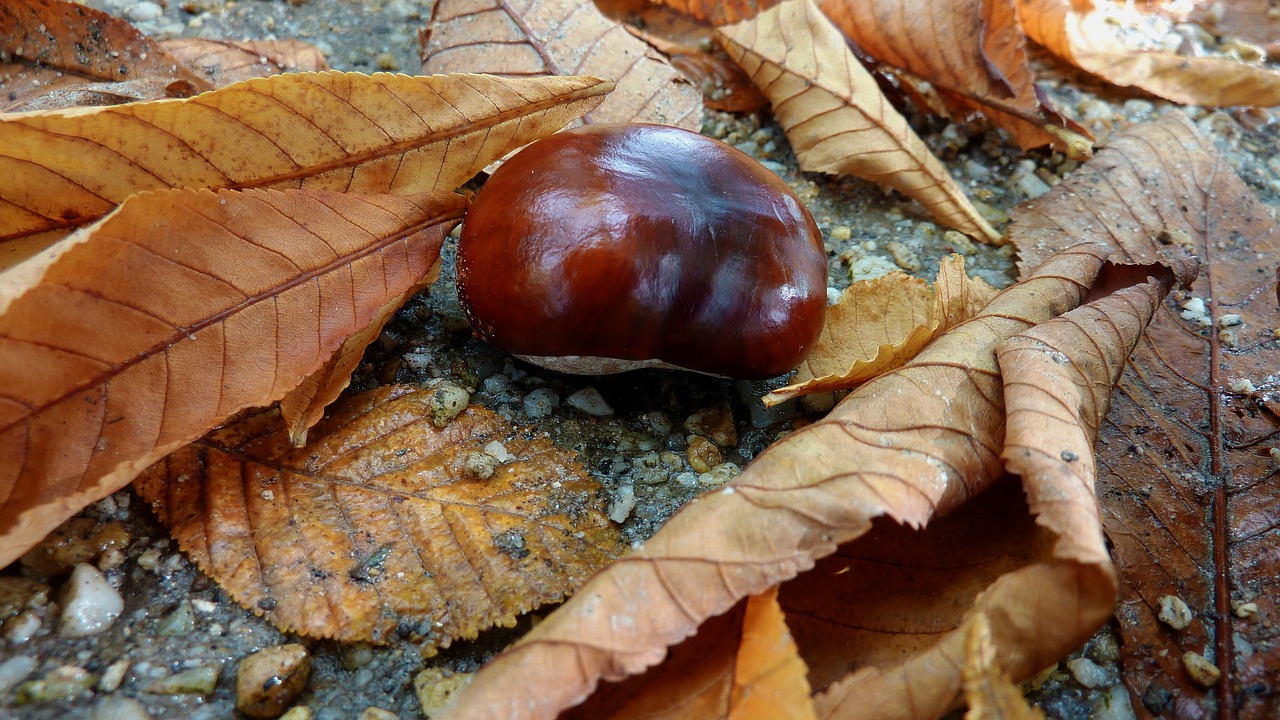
[(176, 623)]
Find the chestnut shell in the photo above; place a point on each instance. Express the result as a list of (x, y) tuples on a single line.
[(643, 242)]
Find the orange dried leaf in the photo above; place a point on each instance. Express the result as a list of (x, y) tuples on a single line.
[(57, 54), (560, 37), (742, 665), (338, 131), (378, 523), (879, 324), (222, 62), (1083, 34), (912, 444), (138, 334), (971, 52), (834, 114), (987, 688), (1184, 463)]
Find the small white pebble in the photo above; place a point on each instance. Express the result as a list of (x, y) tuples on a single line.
[(89, 603), (145, 12), (113, 676), (833, 296), (1174, 612), (204, 606), (590, 401), (624, 501), (539, 403), (719, 475), (498, 451), (1229, 320), (1192, 306), (1087, 673), (1201, 669), (14, 670), (1243, 386), (1244, 611), (21, 627), (118, 707), (1113, 704)]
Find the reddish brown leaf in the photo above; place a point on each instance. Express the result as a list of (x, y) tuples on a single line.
[(222, 62), (138, 334), (339, 131), (1186, 470), (971, 52), (834, 114), (822, 486), (378, 523), (560, 37), (53, 45)]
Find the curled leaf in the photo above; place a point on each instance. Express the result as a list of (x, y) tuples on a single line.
[(877, 325), (378, 523), (834, 114), (138, 334), (1083, 34)]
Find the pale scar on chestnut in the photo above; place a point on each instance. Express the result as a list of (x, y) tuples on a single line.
[(610, 247)]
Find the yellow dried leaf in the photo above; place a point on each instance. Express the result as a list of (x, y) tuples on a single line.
[(560, 37), (880, 324), (834, 114), (991, 695), (136, 335), (378, 523), (335, 131), (1083, 34)]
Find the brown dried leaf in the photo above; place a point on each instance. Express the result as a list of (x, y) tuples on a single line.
[(136, 335), (724, 85), (78, 53), (834, 114), (560, 37), (1191, 502), (222, 62), (377, 523), (339, 131), (1080, 33), (987, 688), (1256, 21), (910, 445), (879, 324), (972, 53), (740, 665)]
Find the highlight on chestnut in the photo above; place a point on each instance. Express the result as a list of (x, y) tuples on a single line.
[(614, 247)]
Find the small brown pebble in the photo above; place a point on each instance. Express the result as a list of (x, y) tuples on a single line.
[(715, 424), (1200, 669), (377, 713), (270, 679), (436, 686), (703, 454)]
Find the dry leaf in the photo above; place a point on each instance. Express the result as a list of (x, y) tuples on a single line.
[(972, 53), (560, 37), (834, 114), (81, 55), (138, 334), (378, 524), (723, 83), (1084, 34), (222, 62), (987, 688), (879, 324), (1252, 20), (740, 665), (338, 131), (1189, 481), (911, 445)]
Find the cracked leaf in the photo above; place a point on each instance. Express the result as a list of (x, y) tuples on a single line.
[(335, 131), (834, 114), (560, 37), (377, 524), (879, 324), (1189, 484), (137, 334)]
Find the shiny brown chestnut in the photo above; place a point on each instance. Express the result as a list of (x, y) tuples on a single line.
[(613, 247)]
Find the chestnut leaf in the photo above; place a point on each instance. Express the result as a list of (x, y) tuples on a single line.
[(378, 524)]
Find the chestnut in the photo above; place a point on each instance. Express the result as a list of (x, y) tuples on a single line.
[(613, 247)]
